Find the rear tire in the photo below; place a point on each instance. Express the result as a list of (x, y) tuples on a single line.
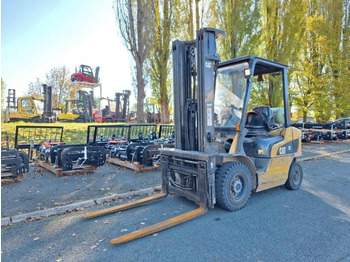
[(233, 185), (295, 177), (25, 160)]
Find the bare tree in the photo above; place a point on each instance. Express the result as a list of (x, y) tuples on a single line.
[(35, 88), (59, 79), (132, 21)]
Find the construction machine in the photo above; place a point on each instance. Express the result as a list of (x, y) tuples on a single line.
[(78, 110), (85, 74), (106, 114), (151, 114), (30, 109), (223, 153), (122, 105), (115, 110)]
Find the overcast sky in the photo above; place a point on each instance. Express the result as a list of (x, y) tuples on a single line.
[(37, 35)]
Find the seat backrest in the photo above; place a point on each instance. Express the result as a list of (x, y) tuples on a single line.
[(267, 117)]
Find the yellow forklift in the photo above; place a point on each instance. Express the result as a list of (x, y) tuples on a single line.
[(78, 110), (30, 109), (225, 147)]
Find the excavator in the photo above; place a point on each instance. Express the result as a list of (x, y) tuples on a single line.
[(226, 148)]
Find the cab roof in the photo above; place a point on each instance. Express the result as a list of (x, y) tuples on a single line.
[(262, 66)]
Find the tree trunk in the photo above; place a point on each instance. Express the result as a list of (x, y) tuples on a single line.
[(164, 101), (271, 89), (197, 14), (165, 113), (140, 92), (304, 116), (190, 20), (140, 58)]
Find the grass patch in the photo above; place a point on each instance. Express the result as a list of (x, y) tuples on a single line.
[(73, 133)]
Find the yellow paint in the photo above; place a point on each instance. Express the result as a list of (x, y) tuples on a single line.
[(276, 173), (25, 112), (234, 144), (68, 116)]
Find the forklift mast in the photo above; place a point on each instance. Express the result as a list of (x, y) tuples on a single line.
[(88, 104), (122, 105), (194, 64), (97, 72), (11, 98), (47, 94)]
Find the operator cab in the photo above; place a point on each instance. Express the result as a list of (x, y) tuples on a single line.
[(240, 102), (86, 71)]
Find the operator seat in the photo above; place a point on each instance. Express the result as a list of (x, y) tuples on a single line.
[(261, 118), (258, 142)]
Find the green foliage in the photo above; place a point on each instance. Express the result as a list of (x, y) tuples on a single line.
[(160, 54), (240, 21)]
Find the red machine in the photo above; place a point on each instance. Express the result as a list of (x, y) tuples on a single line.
[(85, 74)]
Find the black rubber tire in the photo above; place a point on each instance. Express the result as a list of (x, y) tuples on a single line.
[(25, 160), (228, 173), (79, 120), (295, 177), (36, 120), (65, 162)]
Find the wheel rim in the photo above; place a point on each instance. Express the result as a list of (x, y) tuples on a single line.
[(296, 177), (238, 187)]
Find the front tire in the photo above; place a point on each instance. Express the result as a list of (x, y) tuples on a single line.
[(295, 177), (233, 185)]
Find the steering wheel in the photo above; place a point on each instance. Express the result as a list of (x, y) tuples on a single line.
[(233, 107)]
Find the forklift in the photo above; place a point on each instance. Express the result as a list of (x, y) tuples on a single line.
[(223, 150), (122, 105), (78, 110), (30, 109), (85, 74)]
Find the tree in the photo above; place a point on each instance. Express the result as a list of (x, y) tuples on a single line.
[(132, 19), (282, 28), (338, 57), (160, 55), (35, 89), (240, 21), (59, 79)]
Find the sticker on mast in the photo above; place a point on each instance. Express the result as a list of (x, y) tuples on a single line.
[(209, 115)]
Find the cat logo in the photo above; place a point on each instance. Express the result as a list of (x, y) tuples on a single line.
[(282, 150)]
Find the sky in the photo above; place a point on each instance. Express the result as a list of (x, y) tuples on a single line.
[(38, 35)]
